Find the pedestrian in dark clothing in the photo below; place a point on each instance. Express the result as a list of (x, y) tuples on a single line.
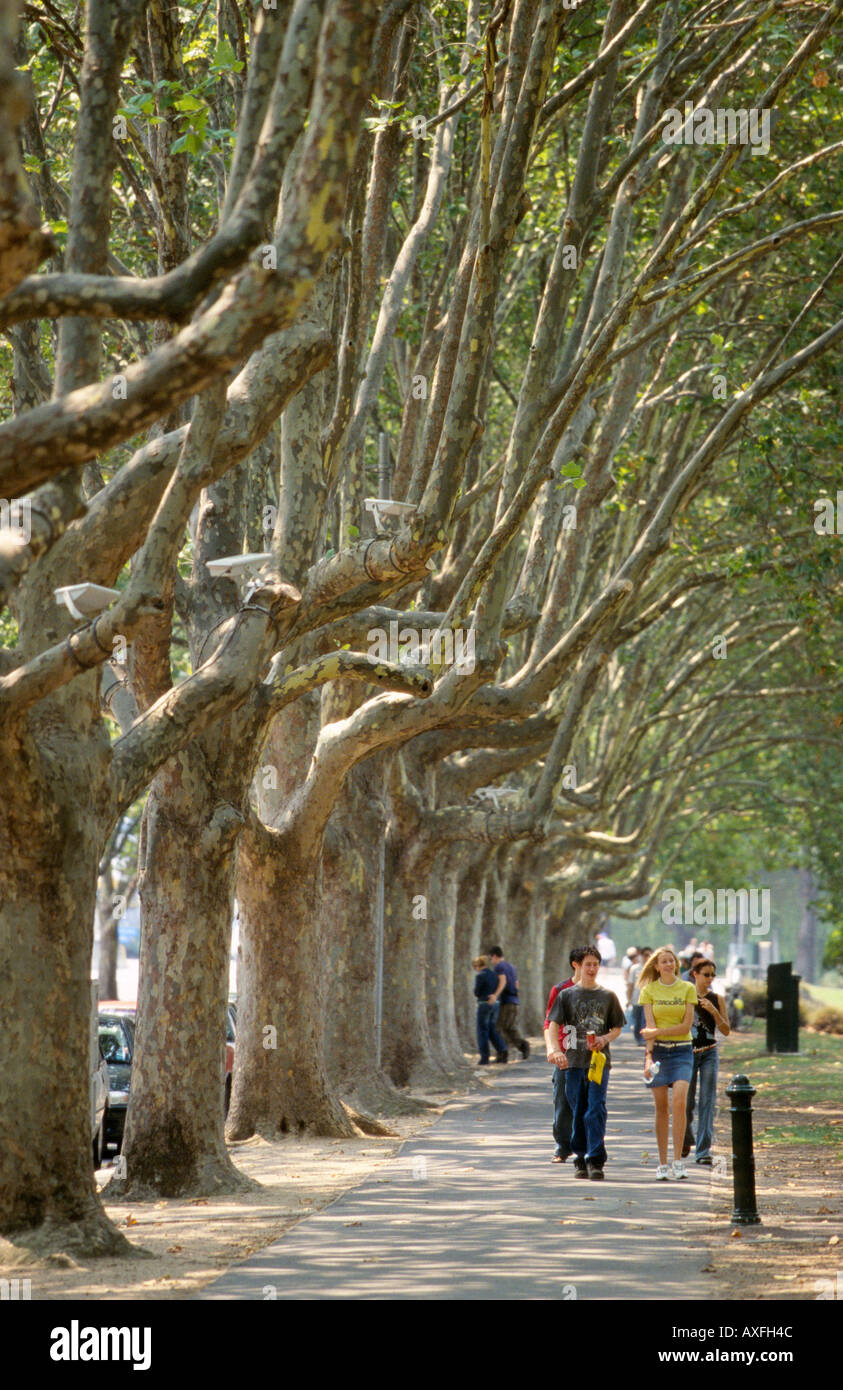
[(709, 1018), (591, 1018), (563, 1115), (485, 984), (507, 993)]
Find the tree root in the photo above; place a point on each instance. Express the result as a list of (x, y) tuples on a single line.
[(67, 1242)]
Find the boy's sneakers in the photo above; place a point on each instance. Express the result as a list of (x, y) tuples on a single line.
[(524, 1048), (679, 1169), (580, 1168), (595, 1172), (707, 1160), (662, 1172), (502, 1057)]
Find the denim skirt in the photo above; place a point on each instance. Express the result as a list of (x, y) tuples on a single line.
[(677, 1063)]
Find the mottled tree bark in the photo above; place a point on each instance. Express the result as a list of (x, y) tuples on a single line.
[(351, 862), (471, 896), (441, 940), (174, 1141), (50, 838)]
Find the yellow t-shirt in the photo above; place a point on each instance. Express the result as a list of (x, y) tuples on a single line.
[(669, 1003)]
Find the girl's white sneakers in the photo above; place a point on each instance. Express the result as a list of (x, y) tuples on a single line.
[(676, 1169)]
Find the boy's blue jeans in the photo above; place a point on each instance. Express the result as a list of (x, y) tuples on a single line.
[(702, 1089), (587, 1100), (563, 1117)]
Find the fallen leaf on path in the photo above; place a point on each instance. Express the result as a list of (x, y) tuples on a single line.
[(199, 1202), (589, 1199), (736, 1235), (131, 1221), (173, 1249), (352, 1223), (835, 1240), (708, 1269)]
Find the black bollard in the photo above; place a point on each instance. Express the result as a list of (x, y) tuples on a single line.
[(745, 1212)]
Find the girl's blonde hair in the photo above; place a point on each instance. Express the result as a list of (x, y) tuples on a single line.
[(650, 971), (480, 963)]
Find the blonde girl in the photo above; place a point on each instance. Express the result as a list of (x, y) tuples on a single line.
[(669, 1003)]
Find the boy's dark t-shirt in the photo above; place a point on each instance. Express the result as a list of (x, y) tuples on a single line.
[(590, 1011)]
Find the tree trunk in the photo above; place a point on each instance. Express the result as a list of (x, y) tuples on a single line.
[(351, 863), (51, 841), (806, 945), (281, 1084), (471, 895), (174, 1144), (408, 1055), (441, 936), (107, 959)]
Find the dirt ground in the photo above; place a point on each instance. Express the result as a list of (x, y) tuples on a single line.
[(191, 1242), (796, 1253)]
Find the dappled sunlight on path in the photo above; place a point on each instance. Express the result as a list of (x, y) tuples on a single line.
[(475, 1209)]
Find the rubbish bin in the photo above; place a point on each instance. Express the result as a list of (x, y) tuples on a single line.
[(782, 1008)]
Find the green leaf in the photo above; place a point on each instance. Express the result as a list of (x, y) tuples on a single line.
[(224, 58)]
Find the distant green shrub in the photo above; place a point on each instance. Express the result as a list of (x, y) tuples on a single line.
[(826, 1020), (754, 995)]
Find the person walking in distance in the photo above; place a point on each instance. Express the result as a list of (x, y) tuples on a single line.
[(591, 1018), (668, 1008), (563, 1115), (709, 1017), (644, 953), (606, 947), (485, 982), (507, 993)]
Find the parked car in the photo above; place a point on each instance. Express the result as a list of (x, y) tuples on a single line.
[(117, 1040), (99, 1087)]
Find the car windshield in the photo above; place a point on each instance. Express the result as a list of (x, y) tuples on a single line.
[(115, 1040)]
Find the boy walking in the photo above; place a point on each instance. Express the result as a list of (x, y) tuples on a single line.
[(591, 1018), (563, 1117)]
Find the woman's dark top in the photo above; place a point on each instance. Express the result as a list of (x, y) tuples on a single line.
[(704, 1025), (485, 983)]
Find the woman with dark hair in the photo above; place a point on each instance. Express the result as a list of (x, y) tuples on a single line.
[(709, 1016), (668, 1008)]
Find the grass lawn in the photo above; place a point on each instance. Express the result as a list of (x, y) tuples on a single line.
[(813, 1078), (797, 1129), (823, 994)]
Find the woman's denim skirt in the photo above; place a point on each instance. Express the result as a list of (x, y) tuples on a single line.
[(677, 1063)]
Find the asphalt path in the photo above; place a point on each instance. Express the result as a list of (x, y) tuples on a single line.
[(474, 1210)]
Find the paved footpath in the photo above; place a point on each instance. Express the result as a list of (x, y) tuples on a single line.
[(474, 1209)]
